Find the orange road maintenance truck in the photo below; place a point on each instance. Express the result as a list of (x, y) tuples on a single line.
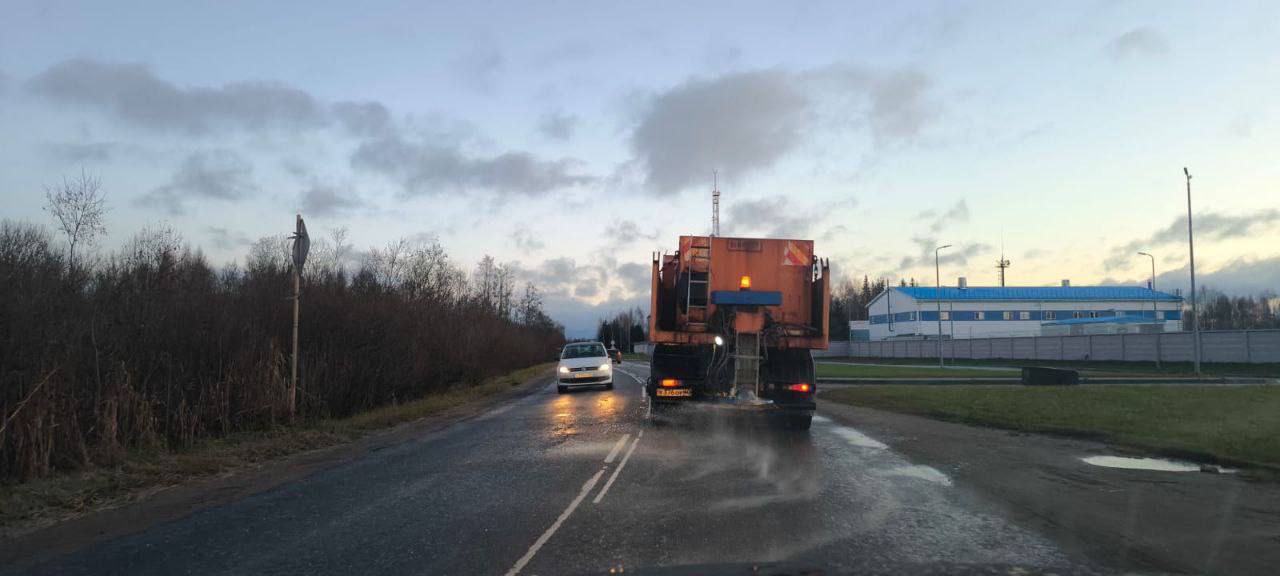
[(733, 322)]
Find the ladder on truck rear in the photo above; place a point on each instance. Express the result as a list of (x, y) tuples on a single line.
[(700, 277), (746, 366)]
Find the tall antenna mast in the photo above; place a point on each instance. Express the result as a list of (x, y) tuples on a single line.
[(1002, 263), (715, 203)]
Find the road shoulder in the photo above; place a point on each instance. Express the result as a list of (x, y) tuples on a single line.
[(175, 502), (1124, 519)]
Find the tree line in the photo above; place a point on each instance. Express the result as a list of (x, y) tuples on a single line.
[(624, 330), (1217, 311), (849, 302), (150, 346)]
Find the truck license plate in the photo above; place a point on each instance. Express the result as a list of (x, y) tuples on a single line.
[(676, 392)]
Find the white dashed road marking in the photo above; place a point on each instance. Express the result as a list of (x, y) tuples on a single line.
[(533, 550), (614, 476), (616, 448)]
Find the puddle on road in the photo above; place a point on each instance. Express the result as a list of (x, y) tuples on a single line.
[(1153, 464), (926, 473)]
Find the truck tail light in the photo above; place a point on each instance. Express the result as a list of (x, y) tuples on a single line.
[(669, 383), (800, 387), (744, 283)]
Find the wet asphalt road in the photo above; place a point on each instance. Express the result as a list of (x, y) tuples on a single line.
[(581, 483)]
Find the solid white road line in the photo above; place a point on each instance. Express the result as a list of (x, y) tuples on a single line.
[(616, 448), (614, 476), (586, 489)]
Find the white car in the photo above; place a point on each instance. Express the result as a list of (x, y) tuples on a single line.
[(584, 364)]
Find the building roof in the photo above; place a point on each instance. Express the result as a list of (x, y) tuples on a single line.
[(1038, 293), (1100, 320)]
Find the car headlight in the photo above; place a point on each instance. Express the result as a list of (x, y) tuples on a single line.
[(564, 369), (604, 367)]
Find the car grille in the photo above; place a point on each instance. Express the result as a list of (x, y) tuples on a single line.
[(591, 380), (583, 369)]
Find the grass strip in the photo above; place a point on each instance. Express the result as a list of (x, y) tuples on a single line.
[(1095, 367), (1228, 424), (864, 371), (47, 500)]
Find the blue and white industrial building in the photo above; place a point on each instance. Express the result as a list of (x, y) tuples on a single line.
[(987, 312)]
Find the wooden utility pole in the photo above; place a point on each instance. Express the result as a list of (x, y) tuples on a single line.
[(301, 245), (293, 373)]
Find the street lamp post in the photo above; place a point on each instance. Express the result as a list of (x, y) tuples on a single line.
[(937, 276), (1191, 251), (1155, 311)]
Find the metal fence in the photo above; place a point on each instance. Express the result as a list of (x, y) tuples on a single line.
[(1244, 346)]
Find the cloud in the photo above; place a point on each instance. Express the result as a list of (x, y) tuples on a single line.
[(132, 93), (554, 276), (958, 212), (580, 318), (479, 69), (431, 161), (82, 153), (567, 52), (957, 254), (431, 168), (636, 277), (831, 233), (744, 122), (771, 217), (1208, 226), (580, 294), (320, 199), (212, 174), (899, 103), (226, 239), (1239, 277), (563, 276), (736, 123), (526, 241), (1242, 126), (1137, 43), (558, 126), (364, 119), (587, 288), (622, 233)]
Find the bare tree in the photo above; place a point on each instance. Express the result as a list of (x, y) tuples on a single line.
[(271, 252), (485, 281), (340, 248), (389, 262), (505, 290), (79, 206)]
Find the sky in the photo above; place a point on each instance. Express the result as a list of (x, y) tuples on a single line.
[(574, 139)]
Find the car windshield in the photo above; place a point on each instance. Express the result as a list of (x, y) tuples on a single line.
[(597, 287), (583, 351)]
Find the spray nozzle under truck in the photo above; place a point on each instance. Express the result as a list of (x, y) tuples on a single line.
[(733, 321)]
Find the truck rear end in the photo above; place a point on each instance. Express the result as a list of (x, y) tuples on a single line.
[(734, 321)]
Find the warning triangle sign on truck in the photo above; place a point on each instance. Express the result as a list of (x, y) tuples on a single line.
[(795, 254)]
